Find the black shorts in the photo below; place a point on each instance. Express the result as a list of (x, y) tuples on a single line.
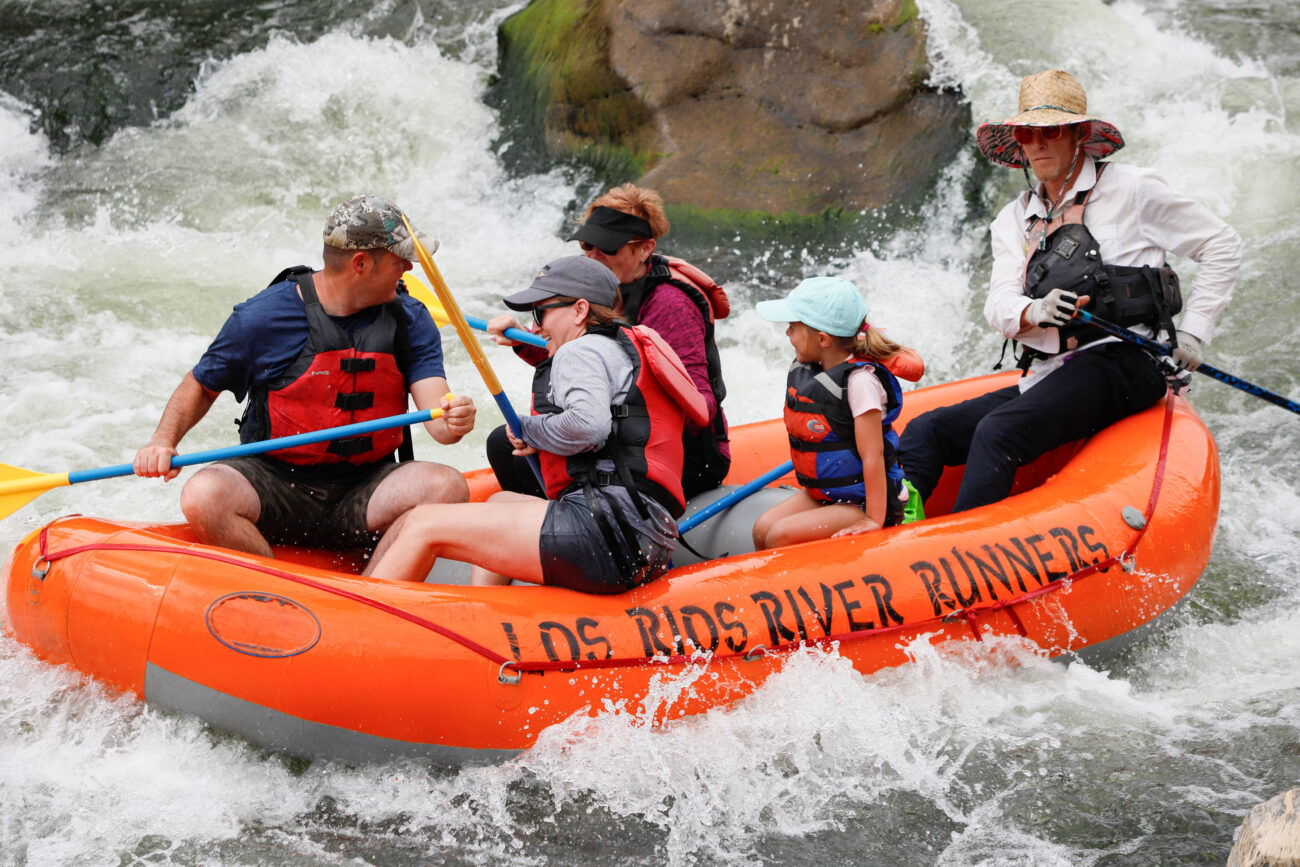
[(313, 513), (575, 553)]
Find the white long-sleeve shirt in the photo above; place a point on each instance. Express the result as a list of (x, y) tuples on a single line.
[(1136, 218)]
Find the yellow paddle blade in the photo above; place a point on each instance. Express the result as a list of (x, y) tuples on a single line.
[(18, 487), (421, 293)]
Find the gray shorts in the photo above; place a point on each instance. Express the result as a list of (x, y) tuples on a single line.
[(576, 553), (313, 513)]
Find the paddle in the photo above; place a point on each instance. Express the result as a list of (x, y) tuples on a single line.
[(452, 310), (18, 486), (734, 497), (421, 293), (1208, 370)]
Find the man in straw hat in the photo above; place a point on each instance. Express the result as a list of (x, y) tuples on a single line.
[(314, 350), (1092, 236)]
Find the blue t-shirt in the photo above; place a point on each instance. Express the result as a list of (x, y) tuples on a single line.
[(264, 334)]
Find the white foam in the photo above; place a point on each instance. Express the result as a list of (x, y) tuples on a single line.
[(24, 154), (136, 250)]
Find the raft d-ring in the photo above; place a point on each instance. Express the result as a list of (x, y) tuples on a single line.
[(954, 616), (511, 678), (1127, 561), (755, 652), (37, 572)]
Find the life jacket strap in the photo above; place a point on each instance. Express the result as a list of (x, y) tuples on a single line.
[(354, 401), (351, 446), (357, 365)]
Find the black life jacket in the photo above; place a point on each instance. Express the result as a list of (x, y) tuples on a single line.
[(1069, 257), (338, 378), (644, 445)]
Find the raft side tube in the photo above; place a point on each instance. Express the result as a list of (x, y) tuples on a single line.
[(289, 734)]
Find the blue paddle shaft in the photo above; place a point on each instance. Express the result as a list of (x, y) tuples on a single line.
[(512, 422), (513, 333), (734, 497), (503, 403), (258, 448), (1207, 369)]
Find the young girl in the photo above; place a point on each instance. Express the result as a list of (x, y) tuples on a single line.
[(841, 396)]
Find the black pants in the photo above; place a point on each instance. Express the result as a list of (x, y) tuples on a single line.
[(997, 433), (513, 473), (703, 467)]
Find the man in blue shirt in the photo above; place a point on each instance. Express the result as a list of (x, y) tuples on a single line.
[(311, 351)]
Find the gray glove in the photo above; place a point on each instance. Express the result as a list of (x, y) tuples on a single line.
[(1188, 354), (1054, 308)]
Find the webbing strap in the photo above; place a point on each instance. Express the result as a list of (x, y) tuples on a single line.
[(969, 615)]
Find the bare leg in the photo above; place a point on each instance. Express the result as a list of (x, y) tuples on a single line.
[(819, 522), (412, 484), (480, 577), (502, 537), (223, 509), (797, 502)]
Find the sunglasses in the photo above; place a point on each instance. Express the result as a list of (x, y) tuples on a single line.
[(1025, 134), (539, 310), (587, 247)]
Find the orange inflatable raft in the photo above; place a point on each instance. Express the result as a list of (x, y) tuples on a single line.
[(301, 655)]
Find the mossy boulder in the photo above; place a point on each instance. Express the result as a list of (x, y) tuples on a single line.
[(796, 107)]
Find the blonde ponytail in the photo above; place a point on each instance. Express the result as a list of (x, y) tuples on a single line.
[(871, 343)]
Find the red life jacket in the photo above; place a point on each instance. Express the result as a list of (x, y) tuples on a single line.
[(706, 443), (645, 443), (820, 426), (337, 379), (684, 272)]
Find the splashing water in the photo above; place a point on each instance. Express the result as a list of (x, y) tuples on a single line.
[(132, 252)]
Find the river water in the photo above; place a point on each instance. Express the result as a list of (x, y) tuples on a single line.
[(161, 161)]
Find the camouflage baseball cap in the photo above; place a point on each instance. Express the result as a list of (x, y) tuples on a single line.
[(368, 222)]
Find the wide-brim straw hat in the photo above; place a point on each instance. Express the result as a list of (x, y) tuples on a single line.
[(1048, 98)]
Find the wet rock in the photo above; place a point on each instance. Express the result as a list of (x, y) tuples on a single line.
[(777, 106), (1270, 835)]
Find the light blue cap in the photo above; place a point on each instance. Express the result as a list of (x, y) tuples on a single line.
[(830, 304)]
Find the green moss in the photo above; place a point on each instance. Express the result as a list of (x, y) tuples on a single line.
[(562, 44), (559, 99), (719, 226), (907, 14), (606, 160)]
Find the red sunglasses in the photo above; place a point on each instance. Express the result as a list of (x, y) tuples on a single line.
[(1025, 134)]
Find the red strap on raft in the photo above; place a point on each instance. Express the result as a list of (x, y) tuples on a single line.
[(968, 615)]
